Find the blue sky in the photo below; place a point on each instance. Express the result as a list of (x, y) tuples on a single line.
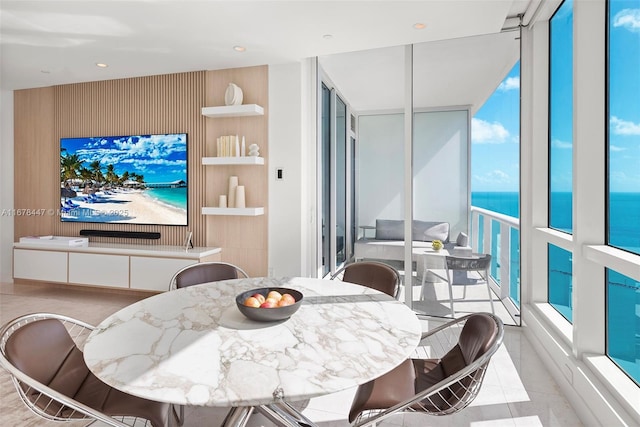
[(495, 127), (159, 158), (624, 96), (495, 138)]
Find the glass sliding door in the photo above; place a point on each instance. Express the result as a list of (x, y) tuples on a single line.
[(478, 102), (336, 180), (341, 182), (415, 108), (440, 196)]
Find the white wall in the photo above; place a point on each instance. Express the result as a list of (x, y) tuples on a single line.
[(6, 186), (291, 148)]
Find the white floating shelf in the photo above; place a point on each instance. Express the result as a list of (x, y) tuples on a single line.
[(233, 110), (233, 211), (246, 160)]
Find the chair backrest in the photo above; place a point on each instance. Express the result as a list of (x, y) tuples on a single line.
[(373, 274), (474, 262), (439, 385), (460, 372), (204, 272)]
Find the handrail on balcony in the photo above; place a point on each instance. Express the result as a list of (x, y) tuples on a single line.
[(510, 220)]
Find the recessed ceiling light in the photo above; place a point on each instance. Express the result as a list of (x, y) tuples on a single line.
[(101, 65), (419, 26), (239, 48), (327, 36)]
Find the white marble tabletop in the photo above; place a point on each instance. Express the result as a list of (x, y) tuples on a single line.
[(192, 346)]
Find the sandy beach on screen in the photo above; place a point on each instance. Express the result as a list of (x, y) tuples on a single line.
[(130, 206)]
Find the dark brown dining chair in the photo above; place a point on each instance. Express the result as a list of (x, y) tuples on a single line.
[(373, 274), (444, 384), (204, 272), (42, 353)]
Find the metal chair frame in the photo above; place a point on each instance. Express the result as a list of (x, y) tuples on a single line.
[(443, 338), (475, 262), (338, 274), (172, 283), (79, 332)]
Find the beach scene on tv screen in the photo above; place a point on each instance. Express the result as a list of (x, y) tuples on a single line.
[(139, 179)]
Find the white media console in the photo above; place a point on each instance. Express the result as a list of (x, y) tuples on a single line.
[(123, 266)]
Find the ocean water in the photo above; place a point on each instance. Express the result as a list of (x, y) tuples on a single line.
[(175, 197), (623, 214)]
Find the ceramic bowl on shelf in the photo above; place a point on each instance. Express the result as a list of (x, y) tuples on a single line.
[(266, 314), (233, 95)]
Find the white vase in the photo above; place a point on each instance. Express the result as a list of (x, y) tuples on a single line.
[(233, 95), (240, 202), (231, 196), (222, 202)]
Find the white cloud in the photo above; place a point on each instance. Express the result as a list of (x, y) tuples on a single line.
[(556, 143), (616, 148), (629, 19), (496, 176), (510, 84), (623, 127), (483, 132)]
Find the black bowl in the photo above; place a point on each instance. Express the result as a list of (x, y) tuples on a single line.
[(268, 314)]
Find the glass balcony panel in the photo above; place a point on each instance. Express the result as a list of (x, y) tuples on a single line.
[(559, 279)]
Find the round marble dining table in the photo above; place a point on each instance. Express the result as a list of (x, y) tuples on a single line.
[(192, 346)]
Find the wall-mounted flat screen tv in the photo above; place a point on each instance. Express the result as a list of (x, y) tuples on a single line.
[(135, 179)]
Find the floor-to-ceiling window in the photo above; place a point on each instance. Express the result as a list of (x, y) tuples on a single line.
[(583, 269), (623, 181), (560, 154)]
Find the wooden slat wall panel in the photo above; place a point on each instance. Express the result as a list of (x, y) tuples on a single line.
[(36, 167), (146, 105), (244, 240)]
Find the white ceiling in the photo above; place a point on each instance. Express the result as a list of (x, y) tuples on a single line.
[(447, 73), (50, 42)]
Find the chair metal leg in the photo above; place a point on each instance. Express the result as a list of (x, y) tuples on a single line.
[(424, 276), (450, 283), (283, 414), (178, 414), (238, 416)]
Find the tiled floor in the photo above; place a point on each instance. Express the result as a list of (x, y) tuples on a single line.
[(517, 390), (433, 297)]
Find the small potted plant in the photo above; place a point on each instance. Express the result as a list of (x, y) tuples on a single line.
[(437, 245)]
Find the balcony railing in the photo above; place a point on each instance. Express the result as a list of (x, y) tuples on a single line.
[(499, 235)]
